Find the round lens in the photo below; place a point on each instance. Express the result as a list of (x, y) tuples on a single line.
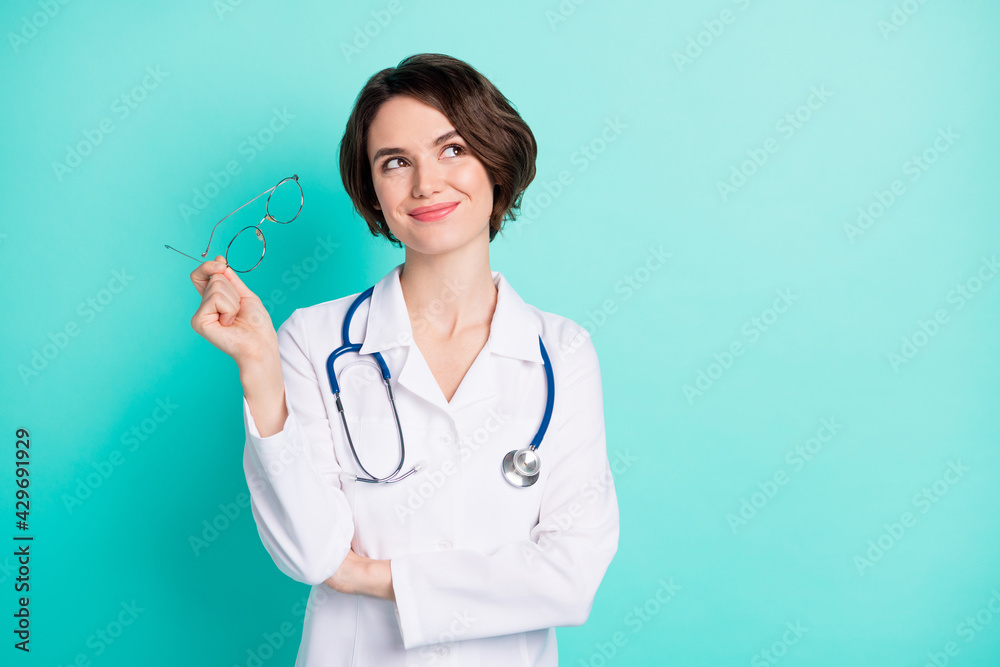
[(246, 250), (285, 202)]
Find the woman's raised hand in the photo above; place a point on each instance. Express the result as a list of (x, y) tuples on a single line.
[(231, 317)]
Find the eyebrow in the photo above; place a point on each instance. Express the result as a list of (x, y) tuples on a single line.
[(391, 151)]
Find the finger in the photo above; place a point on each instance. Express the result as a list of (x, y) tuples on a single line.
[(206, 316), (224, 298), (216, 308), (205, 271), (241, 289), (219, 284)]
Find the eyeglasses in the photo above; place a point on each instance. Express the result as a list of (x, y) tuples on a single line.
[(286, 207)]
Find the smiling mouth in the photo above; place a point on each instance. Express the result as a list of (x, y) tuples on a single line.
[(434, 214)]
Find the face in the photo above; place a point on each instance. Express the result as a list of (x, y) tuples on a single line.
[(418, 160)]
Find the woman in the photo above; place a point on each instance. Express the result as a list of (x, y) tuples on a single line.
[(452, 563)]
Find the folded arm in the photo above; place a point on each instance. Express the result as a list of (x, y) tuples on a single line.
[(302, 515), (550, 577)]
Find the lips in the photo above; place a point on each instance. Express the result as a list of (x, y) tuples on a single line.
[(435, 212)]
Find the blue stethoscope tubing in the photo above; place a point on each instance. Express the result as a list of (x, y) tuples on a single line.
[(520, 467)]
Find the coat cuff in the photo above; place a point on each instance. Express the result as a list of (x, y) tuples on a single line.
[(406, 604), (280, 440)]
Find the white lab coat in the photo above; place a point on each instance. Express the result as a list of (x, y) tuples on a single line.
[(482, 571)]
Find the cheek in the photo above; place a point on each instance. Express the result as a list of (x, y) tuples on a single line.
[(387, 194), (476, 182)]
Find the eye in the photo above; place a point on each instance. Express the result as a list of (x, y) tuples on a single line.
[(385, 165)]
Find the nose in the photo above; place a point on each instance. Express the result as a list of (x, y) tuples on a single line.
[(427, 178)]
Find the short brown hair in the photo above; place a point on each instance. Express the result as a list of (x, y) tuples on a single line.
[(495, 132)]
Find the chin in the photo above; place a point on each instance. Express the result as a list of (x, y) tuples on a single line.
[(439, 239), (424, 247)]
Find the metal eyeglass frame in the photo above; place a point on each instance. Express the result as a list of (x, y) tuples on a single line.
[(260, 234)]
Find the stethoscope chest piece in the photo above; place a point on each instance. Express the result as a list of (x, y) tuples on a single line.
[(521, 466)]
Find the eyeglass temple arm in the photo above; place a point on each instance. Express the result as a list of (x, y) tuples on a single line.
[(202, 259), (205, 254), (168, 247)]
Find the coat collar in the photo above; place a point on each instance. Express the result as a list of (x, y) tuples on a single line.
[(514, 332), (514, 329)]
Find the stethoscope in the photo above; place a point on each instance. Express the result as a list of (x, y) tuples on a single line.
[(520, 467)]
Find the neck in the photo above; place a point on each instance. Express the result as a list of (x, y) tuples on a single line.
[(447, 294)]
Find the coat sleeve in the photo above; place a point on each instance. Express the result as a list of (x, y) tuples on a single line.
[(302, 515), (551, 577)]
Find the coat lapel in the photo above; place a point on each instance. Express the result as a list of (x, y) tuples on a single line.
[(514, 333)]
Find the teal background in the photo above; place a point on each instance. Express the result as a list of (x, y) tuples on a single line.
[(686, 462)]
